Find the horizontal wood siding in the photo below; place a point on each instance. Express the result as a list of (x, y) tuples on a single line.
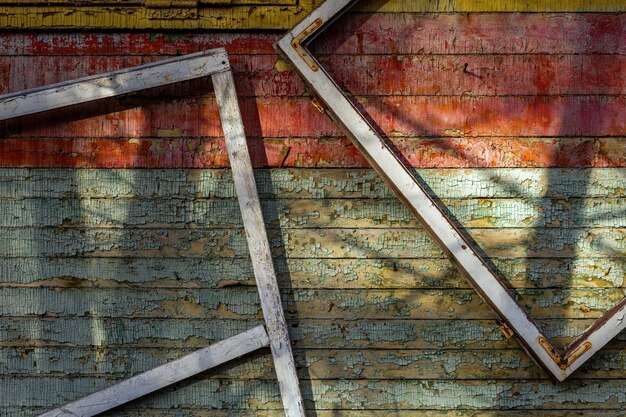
[(121, 241)]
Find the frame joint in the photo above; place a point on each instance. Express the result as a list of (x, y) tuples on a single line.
[(301, 50)]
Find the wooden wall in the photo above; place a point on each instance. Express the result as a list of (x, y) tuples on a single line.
[(121, 244)]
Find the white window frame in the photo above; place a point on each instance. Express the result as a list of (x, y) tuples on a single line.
[(329, 98), (212, 63)]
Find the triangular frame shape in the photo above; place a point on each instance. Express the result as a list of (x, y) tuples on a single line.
[(212, 63), (329, 98)]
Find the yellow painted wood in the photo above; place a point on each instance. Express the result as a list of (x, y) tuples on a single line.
[(464, 6), (246, 14)]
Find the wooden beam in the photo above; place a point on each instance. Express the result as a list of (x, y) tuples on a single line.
[(115, 83), (258, 244), (164, 375)]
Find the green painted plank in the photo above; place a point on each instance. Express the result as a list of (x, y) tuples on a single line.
[(301, 273), (242, 303), (306, 243), (305, 334), (310, 183), (196, 412), (358, 394), (327, 213), (312, 364)]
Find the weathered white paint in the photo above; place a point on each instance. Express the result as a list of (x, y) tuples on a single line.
[(111, 84), (214, 62), (164, 375), (457, 247), (258, 243)]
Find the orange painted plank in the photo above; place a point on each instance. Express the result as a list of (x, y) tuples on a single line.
[(255, 75), (482, 33), (510, 116), (430, 33), (310, 153), (263, 75), (535, 74)]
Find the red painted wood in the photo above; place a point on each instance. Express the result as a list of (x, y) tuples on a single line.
[(478, 74), (484, 33), (256, 75), (48, 44), (509, 116), (310, 153), (471, 33)]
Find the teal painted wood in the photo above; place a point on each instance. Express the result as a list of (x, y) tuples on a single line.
[(423, 364), (356, 394), (242, 303), (368, 273), (305, 243), (139, 411), (191, 412), (319, 213), (306, 334), (310, 183)]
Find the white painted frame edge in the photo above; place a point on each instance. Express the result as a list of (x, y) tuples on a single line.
[(216, 64), (164, 375), (332, 100)]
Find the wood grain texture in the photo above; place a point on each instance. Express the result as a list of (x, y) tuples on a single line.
[(333, 152), (242, 303), (106, 293), (308, 183), (321, 364), (199, 213), (371, 273)]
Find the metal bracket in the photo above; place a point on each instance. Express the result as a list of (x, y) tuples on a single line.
[(300, 38)]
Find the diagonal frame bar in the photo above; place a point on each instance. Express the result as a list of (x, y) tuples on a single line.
[(115, 83), (258, 244), (329, 98), (164, 375), (212, 63)]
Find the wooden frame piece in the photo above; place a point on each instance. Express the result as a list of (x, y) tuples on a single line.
[(165, 375), (329, 98), (214, 63)]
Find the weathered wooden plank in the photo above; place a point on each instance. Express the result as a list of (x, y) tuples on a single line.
[(412, 33), (318, 364), (242, 303), (133, 43), (255, 74), (264, 75), (368, 273), (112, 84), (460, 6), (305, 334), (359, 394), (305, 213), (307, 183), (164, 375), (477, 75), (252, 16), (196, 412), (449, 116), (174, 152), (258, 244), (479, 34), (116, 16), (306, 243)]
